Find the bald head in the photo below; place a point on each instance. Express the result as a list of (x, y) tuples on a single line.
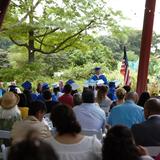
[(132, 96), (151, 107)]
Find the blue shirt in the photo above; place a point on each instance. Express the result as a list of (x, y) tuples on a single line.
[(96, 78), (90, 116), (126, 114), (2, 91), (34, 96), (40, 97)]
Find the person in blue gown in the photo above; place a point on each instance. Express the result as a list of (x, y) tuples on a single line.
[(97, 76)]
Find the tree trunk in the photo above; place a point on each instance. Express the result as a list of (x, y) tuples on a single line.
[(31, 51), (31, 56)]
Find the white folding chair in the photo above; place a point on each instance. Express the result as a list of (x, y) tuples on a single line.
[(153, 150), (47, 121), (5, 134), (98, 134), (47, 115), (4, 151)]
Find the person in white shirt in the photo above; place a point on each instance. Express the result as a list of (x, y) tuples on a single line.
[(89, 114), (68, 142)]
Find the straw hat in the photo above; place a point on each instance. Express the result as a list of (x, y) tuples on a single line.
[(9, 100)]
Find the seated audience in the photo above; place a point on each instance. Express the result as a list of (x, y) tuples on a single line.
[(68, 142), (47, 95), (119, 145), (147, 133), (102, 99), (67, 98), (120, 93), (9, 112), (33, 121), (56, 91), (89, 114), (2, 90), (61, 85), (127, 113), (45, 87), (77, 99), (112, 91), (39, 89), (32, 148), (22, 105), (143, 98), (27, 86), (127, 88), (13, 88)]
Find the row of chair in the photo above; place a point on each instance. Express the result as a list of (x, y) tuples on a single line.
[(153, 150)]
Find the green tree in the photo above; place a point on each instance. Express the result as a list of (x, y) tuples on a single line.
[(5, 43), (126, 37), (48, 26), (156, 43), (4, 62)]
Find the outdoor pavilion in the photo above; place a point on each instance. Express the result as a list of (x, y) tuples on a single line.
[(145, 42)]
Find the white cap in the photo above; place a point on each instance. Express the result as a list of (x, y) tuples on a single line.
[(74, 86), (55, 85)]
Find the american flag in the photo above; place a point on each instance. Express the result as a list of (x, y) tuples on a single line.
[(125, 70)]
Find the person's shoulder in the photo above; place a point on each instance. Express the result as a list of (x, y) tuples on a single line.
[(138, 126), (76, 107), (18, 124), (98, 110), (102, 75), (140, 107), (93, 140), (93, 76), (118, 107)]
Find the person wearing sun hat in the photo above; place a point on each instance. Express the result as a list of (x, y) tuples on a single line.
[(98, 76), (9, 112)]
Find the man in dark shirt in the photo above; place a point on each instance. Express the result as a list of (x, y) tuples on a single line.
[(47, 95), (147, 133)]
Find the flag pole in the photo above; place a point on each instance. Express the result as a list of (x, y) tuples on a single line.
[(125, 69)]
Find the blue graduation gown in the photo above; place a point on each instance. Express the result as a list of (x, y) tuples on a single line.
[(95, 78)]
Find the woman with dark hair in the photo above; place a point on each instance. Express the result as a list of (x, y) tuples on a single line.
[(143, 98), (34, 121), (67, 98), (68, 142), (119, 145), (32, 149)]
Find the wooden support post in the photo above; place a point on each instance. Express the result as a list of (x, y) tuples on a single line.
[(145, 46)]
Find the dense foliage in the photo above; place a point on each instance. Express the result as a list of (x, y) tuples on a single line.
[(67, 39)]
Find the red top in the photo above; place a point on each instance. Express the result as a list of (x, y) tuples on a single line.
[(66, 99)]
